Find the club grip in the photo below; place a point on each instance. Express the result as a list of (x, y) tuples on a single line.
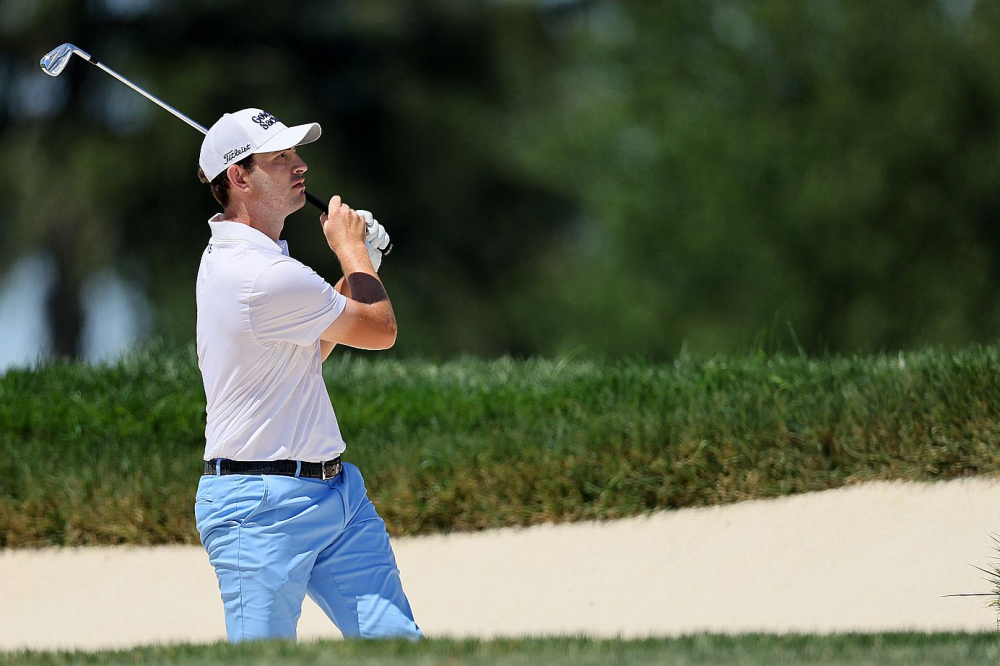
[(319, 203)]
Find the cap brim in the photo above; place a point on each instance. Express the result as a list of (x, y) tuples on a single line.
[(290, 137)]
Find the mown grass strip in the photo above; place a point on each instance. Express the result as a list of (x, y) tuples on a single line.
[(702, 650), (103, 455)]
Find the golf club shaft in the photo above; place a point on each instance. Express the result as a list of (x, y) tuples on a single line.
[(310, 197), (316, 201), (152, 98)]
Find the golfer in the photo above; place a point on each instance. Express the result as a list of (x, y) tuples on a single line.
[(278, 512)]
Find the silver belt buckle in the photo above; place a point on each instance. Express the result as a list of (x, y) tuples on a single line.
[(334, 465)]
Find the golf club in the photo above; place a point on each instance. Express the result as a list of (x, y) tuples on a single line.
[(55, 61)]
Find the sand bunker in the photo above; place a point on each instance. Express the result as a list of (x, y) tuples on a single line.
[(869, 558)]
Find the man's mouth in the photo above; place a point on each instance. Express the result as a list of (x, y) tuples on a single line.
[(299, 185)]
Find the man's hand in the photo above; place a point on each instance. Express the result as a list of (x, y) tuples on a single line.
[(367, 321), (344, 229), (376, 238)]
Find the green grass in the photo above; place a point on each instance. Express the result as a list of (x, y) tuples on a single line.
[(748, 650), (102, 455)]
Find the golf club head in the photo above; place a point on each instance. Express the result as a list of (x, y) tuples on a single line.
[(54, 62)]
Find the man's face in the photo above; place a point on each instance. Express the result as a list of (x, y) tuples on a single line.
[(278, 181)]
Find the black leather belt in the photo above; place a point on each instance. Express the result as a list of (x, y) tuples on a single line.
[(314, 470)]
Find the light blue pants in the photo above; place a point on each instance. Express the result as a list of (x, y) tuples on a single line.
[(273, 539)]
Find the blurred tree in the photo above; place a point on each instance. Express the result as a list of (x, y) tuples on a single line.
[(832, 164), (616, 176), (53, 198)]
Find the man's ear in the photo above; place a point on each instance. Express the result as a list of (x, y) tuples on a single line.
[(238, 177)]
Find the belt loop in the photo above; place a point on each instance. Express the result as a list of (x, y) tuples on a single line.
[(218, 466), (298, 468)]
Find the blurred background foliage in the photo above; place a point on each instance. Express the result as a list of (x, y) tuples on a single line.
[(607, 177)]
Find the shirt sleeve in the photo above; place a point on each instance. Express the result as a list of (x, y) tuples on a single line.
[(289, 302)]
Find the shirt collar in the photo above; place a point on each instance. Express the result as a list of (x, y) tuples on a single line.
[(223, 229)]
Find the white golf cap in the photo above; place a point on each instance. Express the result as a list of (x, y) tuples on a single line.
[(236, 135)]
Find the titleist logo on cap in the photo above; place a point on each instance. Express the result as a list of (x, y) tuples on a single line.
[(234, 153)]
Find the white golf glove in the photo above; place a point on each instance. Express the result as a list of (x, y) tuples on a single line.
[(376, 239)]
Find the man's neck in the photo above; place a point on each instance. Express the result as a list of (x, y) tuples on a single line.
[(270, 227)]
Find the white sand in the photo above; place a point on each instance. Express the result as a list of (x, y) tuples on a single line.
[(870, 558)]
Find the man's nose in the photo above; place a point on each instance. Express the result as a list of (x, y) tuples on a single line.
[(301, 167)]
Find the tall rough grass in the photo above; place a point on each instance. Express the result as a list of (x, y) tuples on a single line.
[(111, 454)]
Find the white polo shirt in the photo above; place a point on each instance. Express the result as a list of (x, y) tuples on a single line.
[(260, 314)]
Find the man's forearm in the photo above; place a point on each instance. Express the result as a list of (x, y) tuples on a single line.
[(365, 285), (366, 288)]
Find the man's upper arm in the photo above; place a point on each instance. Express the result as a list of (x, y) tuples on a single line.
[(326, 346), (291, 303)]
